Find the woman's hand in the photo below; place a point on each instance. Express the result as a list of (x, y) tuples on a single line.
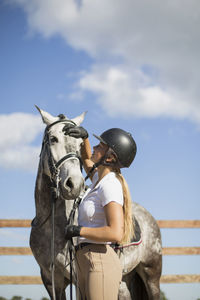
[(72, 231), (77, 132)]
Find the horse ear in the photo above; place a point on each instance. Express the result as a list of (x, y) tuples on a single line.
[(78, 120), (46, 117)]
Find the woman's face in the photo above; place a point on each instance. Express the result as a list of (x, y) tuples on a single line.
[(98, 152)]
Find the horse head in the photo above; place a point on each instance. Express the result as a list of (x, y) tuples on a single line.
[(60, 154)]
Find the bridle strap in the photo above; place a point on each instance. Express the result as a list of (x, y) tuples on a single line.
[(60, 121), (66, 157)]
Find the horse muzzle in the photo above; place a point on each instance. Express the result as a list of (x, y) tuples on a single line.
[(72, 187)]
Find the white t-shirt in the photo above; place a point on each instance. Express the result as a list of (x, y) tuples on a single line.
[(91, 209)]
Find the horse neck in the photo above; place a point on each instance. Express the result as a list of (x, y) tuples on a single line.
[(43, 200), (42, 193)]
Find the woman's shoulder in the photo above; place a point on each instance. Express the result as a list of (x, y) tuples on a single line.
[(111, 176), (111, 189), (110, 180)]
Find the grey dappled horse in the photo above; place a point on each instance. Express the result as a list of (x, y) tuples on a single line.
[(141, 264)]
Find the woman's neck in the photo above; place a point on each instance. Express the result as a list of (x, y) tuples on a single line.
[(103, 171)]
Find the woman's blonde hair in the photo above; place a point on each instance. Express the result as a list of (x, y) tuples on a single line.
[(127, 209)]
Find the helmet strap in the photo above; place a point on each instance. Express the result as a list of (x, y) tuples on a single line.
[(103, 162), (94, 167)]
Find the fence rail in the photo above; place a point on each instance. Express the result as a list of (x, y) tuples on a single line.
[(161, 223), (165, 251), (192, 278), (186, 278)]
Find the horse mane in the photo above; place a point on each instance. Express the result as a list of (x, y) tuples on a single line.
[(61, 116)]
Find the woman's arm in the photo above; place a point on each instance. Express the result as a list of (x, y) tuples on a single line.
[(113, 232), (86, 154)]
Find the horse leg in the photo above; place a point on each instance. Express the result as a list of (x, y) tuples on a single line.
[(150, 275), (124, 289), (60, 285), (132, 287)]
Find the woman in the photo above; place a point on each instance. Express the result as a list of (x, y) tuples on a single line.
[(105, 214)]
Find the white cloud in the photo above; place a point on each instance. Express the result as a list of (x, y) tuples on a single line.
[(132, 93), (18, 132), (155, 39)]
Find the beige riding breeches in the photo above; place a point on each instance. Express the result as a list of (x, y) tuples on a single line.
[(99, 273)]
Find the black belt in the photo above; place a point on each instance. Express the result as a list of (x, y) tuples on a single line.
[(82, 245)]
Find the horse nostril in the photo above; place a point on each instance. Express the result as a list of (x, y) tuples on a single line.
[(69, 183)]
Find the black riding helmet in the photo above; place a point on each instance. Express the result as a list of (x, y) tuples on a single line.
[(122, 143)]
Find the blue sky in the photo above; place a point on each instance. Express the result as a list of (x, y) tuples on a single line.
[(133, 66)]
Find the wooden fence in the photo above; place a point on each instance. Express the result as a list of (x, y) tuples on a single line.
[(187, 278)]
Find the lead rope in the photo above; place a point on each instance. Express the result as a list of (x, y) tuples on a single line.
[(53, 251), (71, 268), (54, 197), (70, 221), (70, 242)]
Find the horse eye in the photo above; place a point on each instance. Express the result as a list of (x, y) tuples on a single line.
[(54, 139)]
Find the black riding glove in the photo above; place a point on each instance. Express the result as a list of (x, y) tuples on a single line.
[(77, 132), (72, 231)]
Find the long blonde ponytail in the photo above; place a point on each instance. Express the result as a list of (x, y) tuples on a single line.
[(127, 209)]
